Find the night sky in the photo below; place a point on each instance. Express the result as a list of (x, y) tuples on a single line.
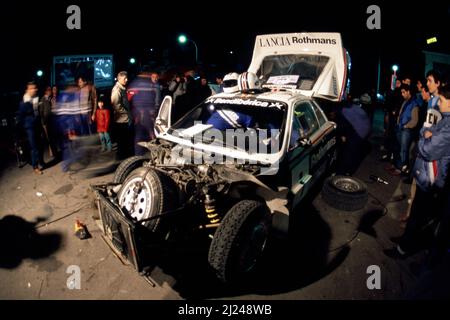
[(33, 33)]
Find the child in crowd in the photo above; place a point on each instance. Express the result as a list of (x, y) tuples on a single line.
[(102, 118)]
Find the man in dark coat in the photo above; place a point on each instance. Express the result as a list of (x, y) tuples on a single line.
[(353, 129), (145, 93), (45, 113), (28, 118)]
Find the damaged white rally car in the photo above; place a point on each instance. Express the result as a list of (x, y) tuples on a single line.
[(235, 165)]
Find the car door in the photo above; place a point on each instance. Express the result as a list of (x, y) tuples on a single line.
[(325, 141), (308, 145)]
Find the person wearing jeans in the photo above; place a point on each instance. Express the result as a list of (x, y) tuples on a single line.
[(430, 203), (102, 118), (28, 117), (404, 138), (406, 123)]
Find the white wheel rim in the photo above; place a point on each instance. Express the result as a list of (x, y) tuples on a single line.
[(138, 206)]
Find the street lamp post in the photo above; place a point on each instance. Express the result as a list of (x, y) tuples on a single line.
[(378, 74), (183, 39), (196, 51), (394, 76)]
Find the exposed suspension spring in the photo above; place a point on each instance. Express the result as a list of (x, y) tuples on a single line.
[(210, 209)]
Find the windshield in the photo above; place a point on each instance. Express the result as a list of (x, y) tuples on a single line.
[(255, 126), (299, 71)]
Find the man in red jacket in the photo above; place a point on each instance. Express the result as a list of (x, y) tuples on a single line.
[(102, 118)]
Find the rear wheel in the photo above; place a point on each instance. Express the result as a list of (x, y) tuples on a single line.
[(240, 240), (146, 193)]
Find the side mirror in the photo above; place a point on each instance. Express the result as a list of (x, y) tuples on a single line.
[(163, 120)]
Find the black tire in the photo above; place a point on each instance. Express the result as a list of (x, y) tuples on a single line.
[(126, 166), (229, 253), (158, 194), (345, 193)]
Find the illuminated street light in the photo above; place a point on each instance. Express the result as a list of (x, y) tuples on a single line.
[(39, 73), (182, 39), (132, 60), (395, 68)]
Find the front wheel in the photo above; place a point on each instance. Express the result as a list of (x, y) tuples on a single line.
[(127, 166), (147, 193), (240, 240)]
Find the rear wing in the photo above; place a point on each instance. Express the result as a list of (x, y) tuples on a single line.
[(300, 49)]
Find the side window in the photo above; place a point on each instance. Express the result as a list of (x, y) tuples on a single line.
[(319, 115), (306, 118), (295, 135)]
